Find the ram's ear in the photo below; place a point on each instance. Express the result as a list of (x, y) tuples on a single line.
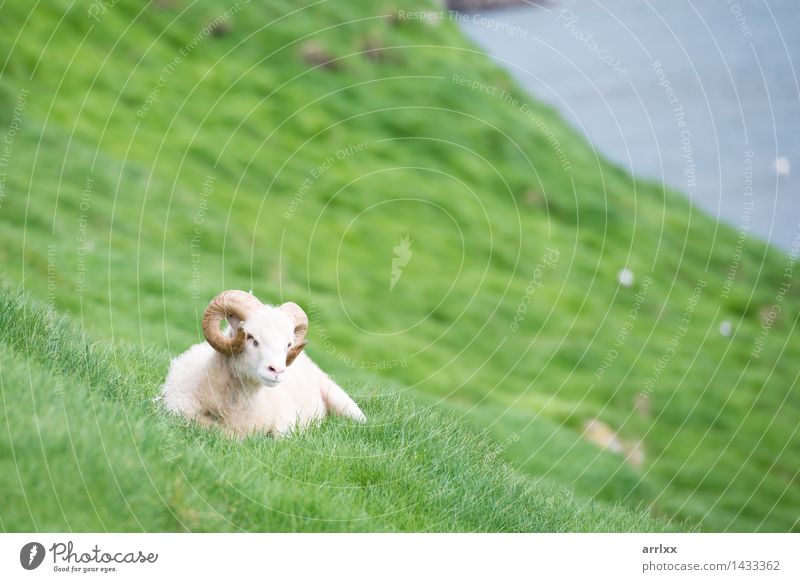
[(233, 325), (294, 351)]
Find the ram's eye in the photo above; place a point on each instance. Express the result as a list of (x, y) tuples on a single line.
[(251, 338), (289, 345)]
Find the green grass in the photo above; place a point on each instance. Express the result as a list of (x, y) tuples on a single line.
[(86, 449), (104, 216)]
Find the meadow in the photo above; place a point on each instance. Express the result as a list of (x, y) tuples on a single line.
[(155, 155)]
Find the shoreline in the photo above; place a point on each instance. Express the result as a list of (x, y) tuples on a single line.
[(479, 5), (720, 163)]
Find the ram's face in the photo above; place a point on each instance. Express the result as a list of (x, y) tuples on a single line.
[(269, 342)]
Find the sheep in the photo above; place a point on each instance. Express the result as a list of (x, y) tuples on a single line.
[(254, 376)]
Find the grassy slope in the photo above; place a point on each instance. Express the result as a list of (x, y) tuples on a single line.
[(719, 429), (131, 467)]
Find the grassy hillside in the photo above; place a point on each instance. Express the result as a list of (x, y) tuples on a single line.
[(155, 161), (87, 449)]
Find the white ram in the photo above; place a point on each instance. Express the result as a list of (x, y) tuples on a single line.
[(254, 376)]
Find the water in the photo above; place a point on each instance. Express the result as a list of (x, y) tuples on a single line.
[(703, 96)]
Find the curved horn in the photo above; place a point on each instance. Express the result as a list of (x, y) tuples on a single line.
[(237, 303), (300, 320)]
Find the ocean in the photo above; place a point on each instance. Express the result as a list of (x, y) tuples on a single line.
[(702, 96)]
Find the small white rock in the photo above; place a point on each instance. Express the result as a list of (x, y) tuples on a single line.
[(726, 328), (625, 277), (782, 166)]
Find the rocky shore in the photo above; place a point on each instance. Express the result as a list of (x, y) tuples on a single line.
[(475, 5)]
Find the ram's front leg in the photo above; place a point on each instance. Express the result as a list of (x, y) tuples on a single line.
[(338, 402)]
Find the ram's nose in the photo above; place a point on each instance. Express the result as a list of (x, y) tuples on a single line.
[(271, 375)]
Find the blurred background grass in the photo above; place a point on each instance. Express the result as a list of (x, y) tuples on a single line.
[(162, 153)]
